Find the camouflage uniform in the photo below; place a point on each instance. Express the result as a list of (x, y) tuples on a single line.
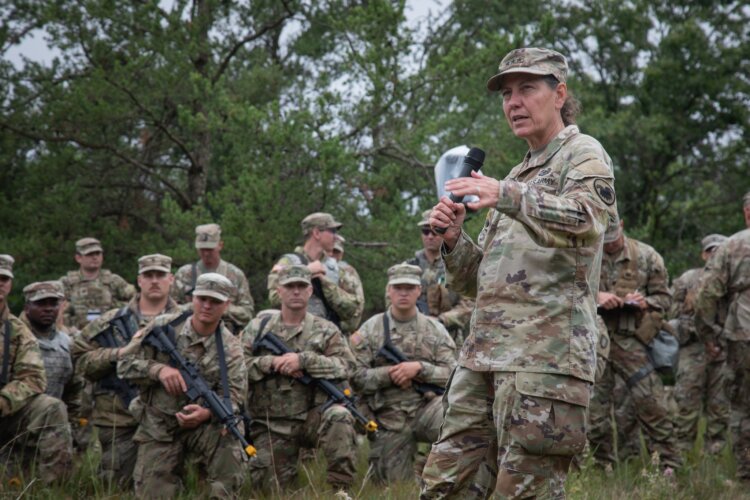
[(341, 294), (726, 277), (242, 307), (637, 267), (350, 281), (697, 376), (450, 308), (162, 444), (88, 298), (30, 420), (520, 392), (288, 415), (115, 425), (404, 416)]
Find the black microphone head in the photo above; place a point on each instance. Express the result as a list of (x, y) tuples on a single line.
[(475, 157)]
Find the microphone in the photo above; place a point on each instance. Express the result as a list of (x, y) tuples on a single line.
[(473, 161)]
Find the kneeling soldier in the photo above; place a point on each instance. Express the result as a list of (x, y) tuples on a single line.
[(289, 414), (171, 425), (30, 421), (97, 349), (404, 359)]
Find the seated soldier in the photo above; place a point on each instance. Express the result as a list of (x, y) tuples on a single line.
[(171, 426), (287, 414), (32, 424), (405, 396)]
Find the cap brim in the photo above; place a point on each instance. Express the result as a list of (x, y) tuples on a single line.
[(210, 293), (709, 247), (5, 272), (206, 244), (45, 295), (92, 250), (404, 281), (154, 268), (493, 84), (294, 280)]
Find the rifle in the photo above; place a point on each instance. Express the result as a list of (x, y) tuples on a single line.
[(197, 387), (277, 347), (394, 356), (122, 322)]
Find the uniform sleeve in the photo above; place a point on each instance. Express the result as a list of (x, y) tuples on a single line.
[(713, 287), (140, 365), (576, 217), (182, 284), (367, 378), (351, 283), (241, 311), (236, 371), (462, 264), (123, 291), (679, 294), (258, 367), (93, 361), (69, 312), (336, 362), (347, 304), (657, 291), (28, 377), (438, 369), (459, 315)]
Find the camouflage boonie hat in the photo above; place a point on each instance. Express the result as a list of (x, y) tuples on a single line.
[(295, 274), (207, 236), (155, 262), (6, 265), (530, 60), (425, 222), (712, 241), (613, 230), (746, 199), (404, 274), (43, 290), (321, 220), (213, 285), (85, 246), (338, 243)]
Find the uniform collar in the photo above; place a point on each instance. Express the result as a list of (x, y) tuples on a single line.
[(549, 150)]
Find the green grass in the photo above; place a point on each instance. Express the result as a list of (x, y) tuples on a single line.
[(702, 476)]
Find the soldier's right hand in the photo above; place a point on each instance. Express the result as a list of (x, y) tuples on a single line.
[(172, 380), (317, 269), (608, 301), (449, 215)]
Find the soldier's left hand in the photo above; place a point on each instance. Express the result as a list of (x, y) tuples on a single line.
[(638, 299), (192, 415), (287, 364), (403, 373), (485, 188)]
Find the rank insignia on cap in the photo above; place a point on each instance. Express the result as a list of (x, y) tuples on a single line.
[(605, 191)]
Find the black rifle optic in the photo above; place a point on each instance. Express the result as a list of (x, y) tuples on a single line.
[(124, 323), (197, 386), (277, 347), (473, 161)]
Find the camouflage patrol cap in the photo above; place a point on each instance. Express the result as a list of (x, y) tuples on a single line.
[(532, 60), (712, 241), (404, 274), (295, 274), (214, 285), (425, 222), (338, 243), (85, 246), (155, 262), (321, 220), (6, 265), (43, 290), (207, 236)]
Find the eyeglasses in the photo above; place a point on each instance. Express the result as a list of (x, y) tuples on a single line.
[(427, 232), (332, 230)]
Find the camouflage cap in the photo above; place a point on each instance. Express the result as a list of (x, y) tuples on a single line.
[(531, 60), (43, 290), (338, 243), (321, 220), (746, 200), (207, 236), (85, 246), (6, 265), (294, 274), (404, 274), (214, 285), (155, 262), (425, 222), (711, 241)]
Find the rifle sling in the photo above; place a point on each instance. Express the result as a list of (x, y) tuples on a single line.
[(223, 367), (386, 329), (6, 353)]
